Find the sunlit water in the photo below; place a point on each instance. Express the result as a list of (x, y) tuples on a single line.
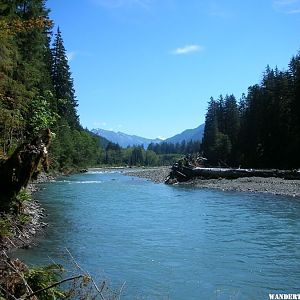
[(171, 242)]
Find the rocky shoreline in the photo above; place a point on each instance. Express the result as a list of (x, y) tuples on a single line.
[(24, 236), (156, 174), (271, 185)]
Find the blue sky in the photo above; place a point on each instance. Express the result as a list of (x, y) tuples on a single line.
[(149, 67)]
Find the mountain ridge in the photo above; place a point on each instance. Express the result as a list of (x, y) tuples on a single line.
[(125, 140), (194, 134)]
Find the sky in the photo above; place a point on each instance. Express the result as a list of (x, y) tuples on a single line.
[(149, 67)]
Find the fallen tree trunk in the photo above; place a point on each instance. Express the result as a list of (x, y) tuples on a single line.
[(22, 166), (184, 173)]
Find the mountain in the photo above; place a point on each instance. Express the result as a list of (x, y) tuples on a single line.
[(102, 140), (124, 139), (195, 134)]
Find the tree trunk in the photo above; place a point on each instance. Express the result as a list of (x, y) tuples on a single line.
[(17, 171), (184, 173)]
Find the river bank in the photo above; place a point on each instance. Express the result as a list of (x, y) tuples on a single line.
[(21, 235), (271, 185), (23, 229)]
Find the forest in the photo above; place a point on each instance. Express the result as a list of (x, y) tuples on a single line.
[(36, 87), (262, 129)]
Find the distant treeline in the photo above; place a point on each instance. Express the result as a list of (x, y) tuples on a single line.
[(185, 147), (155, 155), (262, 130), (113, 154)]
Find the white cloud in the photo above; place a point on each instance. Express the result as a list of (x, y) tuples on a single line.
[(71, 55), (287, 6), (187, 49)]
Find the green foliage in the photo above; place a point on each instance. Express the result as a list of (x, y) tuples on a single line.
[(185, 147), (42, 277), (63, 83), (264, 129), (136, 158), (151, 159), (72, 148), (15, 217), (17, 205), (22, 69), (23, 195), (40, 115), (36, 88), (22, 220), (5, 226)]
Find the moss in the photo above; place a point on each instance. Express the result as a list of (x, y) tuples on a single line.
[(5, 226), (41, 277)]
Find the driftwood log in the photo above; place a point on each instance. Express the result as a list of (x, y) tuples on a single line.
[(184, 173), (22, 166)]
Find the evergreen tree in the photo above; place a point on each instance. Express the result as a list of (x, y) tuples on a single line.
[(137, 156), (231, 128), (264, 130), (211, 131), (294, 87), (32, 44), (63, 83)]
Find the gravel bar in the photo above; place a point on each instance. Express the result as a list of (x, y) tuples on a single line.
[(270, 185)]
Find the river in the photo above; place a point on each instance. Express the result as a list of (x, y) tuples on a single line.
[(171, 242)]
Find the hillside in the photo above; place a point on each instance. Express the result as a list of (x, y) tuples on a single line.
[(195, 134), (123, 139)]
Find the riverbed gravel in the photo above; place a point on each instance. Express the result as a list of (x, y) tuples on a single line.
[(271, 185), (157, 174)]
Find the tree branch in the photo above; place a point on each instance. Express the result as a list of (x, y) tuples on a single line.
[(54, 284)]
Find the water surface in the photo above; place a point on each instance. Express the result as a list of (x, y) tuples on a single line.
[(170, 242)]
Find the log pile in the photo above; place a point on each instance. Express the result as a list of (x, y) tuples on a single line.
[(185, 170)]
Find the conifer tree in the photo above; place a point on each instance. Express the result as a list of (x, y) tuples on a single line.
[(63, 83), (210, 130)]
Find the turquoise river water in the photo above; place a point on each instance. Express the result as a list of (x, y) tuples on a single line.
[(172, 242)]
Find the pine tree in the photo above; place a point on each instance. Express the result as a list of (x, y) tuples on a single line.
[(32, 44), (231, 119), (210, 130), (63, 83)]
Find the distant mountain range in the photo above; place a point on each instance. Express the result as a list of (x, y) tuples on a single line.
[(125, 140), (195, 134)]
